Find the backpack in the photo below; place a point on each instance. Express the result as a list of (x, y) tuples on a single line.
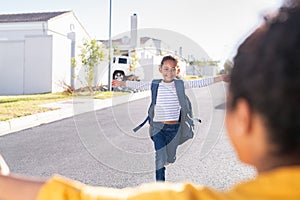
[(186, 129)]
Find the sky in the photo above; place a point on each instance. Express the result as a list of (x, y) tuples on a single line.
[(218, 26)]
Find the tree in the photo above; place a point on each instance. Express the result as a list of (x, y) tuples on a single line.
[(134, 60), (201, 63), (116, 50), (91, 55)]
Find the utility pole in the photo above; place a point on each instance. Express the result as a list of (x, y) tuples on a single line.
[(72, 36), (109, 48)]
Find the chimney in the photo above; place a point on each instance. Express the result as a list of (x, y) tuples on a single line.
[(180, 51), (133, 32)]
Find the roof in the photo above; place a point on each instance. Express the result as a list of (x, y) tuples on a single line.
[(29, 17), (120, 41)]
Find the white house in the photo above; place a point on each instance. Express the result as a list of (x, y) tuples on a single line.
[(36, 50)]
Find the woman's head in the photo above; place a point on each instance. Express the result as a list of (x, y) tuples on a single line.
[(266, 76)]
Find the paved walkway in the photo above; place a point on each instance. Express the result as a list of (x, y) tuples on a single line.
[(66, 109)]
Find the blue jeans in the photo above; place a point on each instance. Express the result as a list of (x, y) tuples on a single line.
[(165, 144)]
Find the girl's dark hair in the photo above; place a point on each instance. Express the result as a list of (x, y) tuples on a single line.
[(266, 73), (171, 58)]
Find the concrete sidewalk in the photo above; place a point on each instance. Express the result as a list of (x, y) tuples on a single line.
[(66, 109)]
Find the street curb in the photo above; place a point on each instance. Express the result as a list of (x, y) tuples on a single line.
[(67, 109)]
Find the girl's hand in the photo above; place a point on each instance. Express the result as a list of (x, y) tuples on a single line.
[(116, 83), (225, 78), (4, 169)]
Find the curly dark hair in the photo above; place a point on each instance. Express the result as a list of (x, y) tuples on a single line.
[(266, 74), (171, 58)]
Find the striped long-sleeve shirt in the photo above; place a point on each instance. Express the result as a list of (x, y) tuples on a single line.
[(167, 107)]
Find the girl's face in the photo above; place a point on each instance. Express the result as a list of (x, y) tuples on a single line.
[(168, 71)]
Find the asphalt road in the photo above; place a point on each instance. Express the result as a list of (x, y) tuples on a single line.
[(99, 147)]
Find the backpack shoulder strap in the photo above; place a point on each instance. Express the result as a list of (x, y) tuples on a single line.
[(179, 84), (154, 87), (141, 125)]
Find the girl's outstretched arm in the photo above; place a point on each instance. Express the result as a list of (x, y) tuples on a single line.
[(224, 78)]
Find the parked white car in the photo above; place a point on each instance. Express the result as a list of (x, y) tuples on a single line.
[(121, 69)]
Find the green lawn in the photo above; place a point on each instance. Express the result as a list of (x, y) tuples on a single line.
[(23, 105)]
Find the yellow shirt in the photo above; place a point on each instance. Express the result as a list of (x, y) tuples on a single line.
[(282, 183)]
